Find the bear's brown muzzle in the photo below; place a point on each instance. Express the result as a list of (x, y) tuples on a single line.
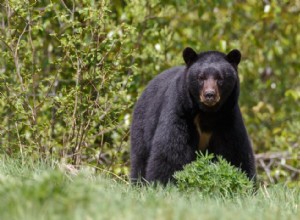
[(209, 95)]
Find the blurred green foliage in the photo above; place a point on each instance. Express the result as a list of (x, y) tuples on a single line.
[(70, 72)]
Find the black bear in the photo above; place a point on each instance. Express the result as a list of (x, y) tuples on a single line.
[(187, 109)]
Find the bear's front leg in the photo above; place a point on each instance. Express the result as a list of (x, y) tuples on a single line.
[(170, 151)]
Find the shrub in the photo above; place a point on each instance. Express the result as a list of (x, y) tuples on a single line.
[(213, 177), (63, 82)]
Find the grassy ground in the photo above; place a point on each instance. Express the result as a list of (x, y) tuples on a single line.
[(49, 192)]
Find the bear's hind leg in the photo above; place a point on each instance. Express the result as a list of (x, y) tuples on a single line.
[(138, 167), (162, 166)]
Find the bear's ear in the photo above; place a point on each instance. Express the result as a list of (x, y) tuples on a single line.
[(189, 56), (234, 57)]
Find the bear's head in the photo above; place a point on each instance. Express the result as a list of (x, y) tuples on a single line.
[(212, 78)]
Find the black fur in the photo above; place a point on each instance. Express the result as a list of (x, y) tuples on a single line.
[(163, 134)]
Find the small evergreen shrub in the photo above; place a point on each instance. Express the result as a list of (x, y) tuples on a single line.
[(210, 177)]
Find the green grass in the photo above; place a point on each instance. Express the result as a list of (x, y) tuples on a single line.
[(37, 191)]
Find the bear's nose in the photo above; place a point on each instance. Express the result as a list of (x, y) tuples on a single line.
[(209, 95)]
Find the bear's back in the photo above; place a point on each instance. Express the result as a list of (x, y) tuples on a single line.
[(148, 107)]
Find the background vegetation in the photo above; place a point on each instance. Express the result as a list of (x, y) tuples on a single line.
[(71, 71)]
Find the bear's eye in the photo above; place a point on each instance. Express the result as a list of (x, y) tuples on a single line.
[(201, 77), (220, 81), (201, 80)]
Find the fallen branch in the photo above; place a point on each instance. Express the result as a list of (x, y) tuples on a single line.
[(271, 161)]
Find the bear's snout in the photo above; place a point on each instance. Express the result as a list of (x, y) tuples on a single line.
[(210, 98), (210, 94)]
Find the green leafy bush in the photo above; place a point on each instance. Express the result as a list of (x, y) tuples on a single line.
[(210, 177), (63, 82)]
